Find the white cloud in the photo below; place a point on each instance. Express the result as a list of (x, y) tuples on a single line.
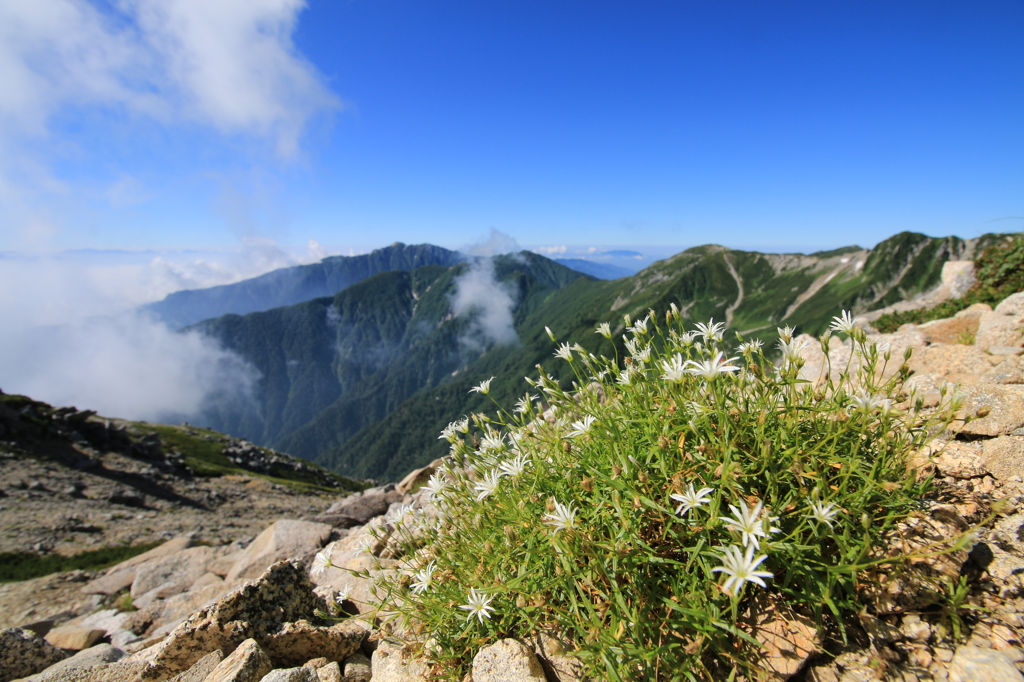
[(551, 250), (497, 243), (487, 303), (228, 64), (128, 366), (70, 337)]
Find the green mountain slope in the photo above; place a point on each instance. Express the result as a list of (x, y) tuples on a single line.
[(333, 366), (288, 286), (753, 292)]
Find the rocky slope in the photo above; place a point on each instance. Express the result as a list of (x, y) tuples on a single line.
[(259, 611)]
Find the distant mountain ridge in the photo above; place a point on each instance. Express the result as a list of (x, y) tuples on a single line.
[(288, 286), (598, 270), (362, 382)]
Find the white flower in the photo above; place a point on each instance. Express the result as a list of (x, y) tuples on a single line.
[(484, 387), (749, 524), (448, 433), (423, 577), (674, 370), (785, 333), (845, 324), (750, 346), (712, 331), (487, 485), (741, 567), (514, 467), (551, 334), (863, 402), (640, 327), (791, 349), (563, 518), (400, 512), (493, 441), (523, 405), (435, 485), (343, 594), (564, 351), (582, 426), (604, 329), (626, 376), (691, 499), (366, 544), (710, 369), (322, 560), (822, 513), (478, 605)]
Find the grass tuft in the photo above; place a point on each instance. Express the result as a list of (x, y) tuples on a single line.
[(16, 566), (641, 513)]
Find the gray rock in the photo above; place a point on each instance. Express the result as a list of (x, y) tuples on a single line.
[(1004, 456), (1012, 305), (24, 653), (296, 643), (357, 668), (390, 663), (202, 668), (330, 672), (971, 663), (254, 611), (302, 674), (507, 660), (122, 575), (71, 668), (74, 637), (172, 573), (284, 539), (366, 505), (247, 663)]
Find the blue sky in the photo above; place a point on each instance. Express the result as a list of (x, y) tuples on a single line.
[(215, 140)]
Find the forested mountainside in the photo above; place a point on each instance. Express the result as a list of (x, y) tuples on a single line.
[(334, 366), (363, 382), (288, 286)]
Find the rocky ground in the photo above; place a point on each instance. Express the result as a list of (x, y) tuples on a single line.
[(237, 610)]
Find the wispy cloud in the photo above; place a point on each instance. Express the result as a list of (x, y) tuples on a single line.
[(479, 297), (228, 64)]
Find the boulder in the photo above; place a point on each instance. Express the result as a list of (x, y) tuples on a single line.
[(300, 641), (74, 637), (172, 573), (122, 575), (392, 663), (1004, 405), (357, 668), (346, 557), (284, 539), (99, 656), (507, 660), (255, 611), (247, 663), (556, 656), (971, 663), (1004, 456), (302, 674), (1012, 305), (1002, 326), (201, 669), (330, 673), (366, 505), (417, 478), (24, 653)]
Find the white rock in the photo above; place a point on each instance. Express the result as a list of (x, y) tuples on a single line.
[(507, 660)]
